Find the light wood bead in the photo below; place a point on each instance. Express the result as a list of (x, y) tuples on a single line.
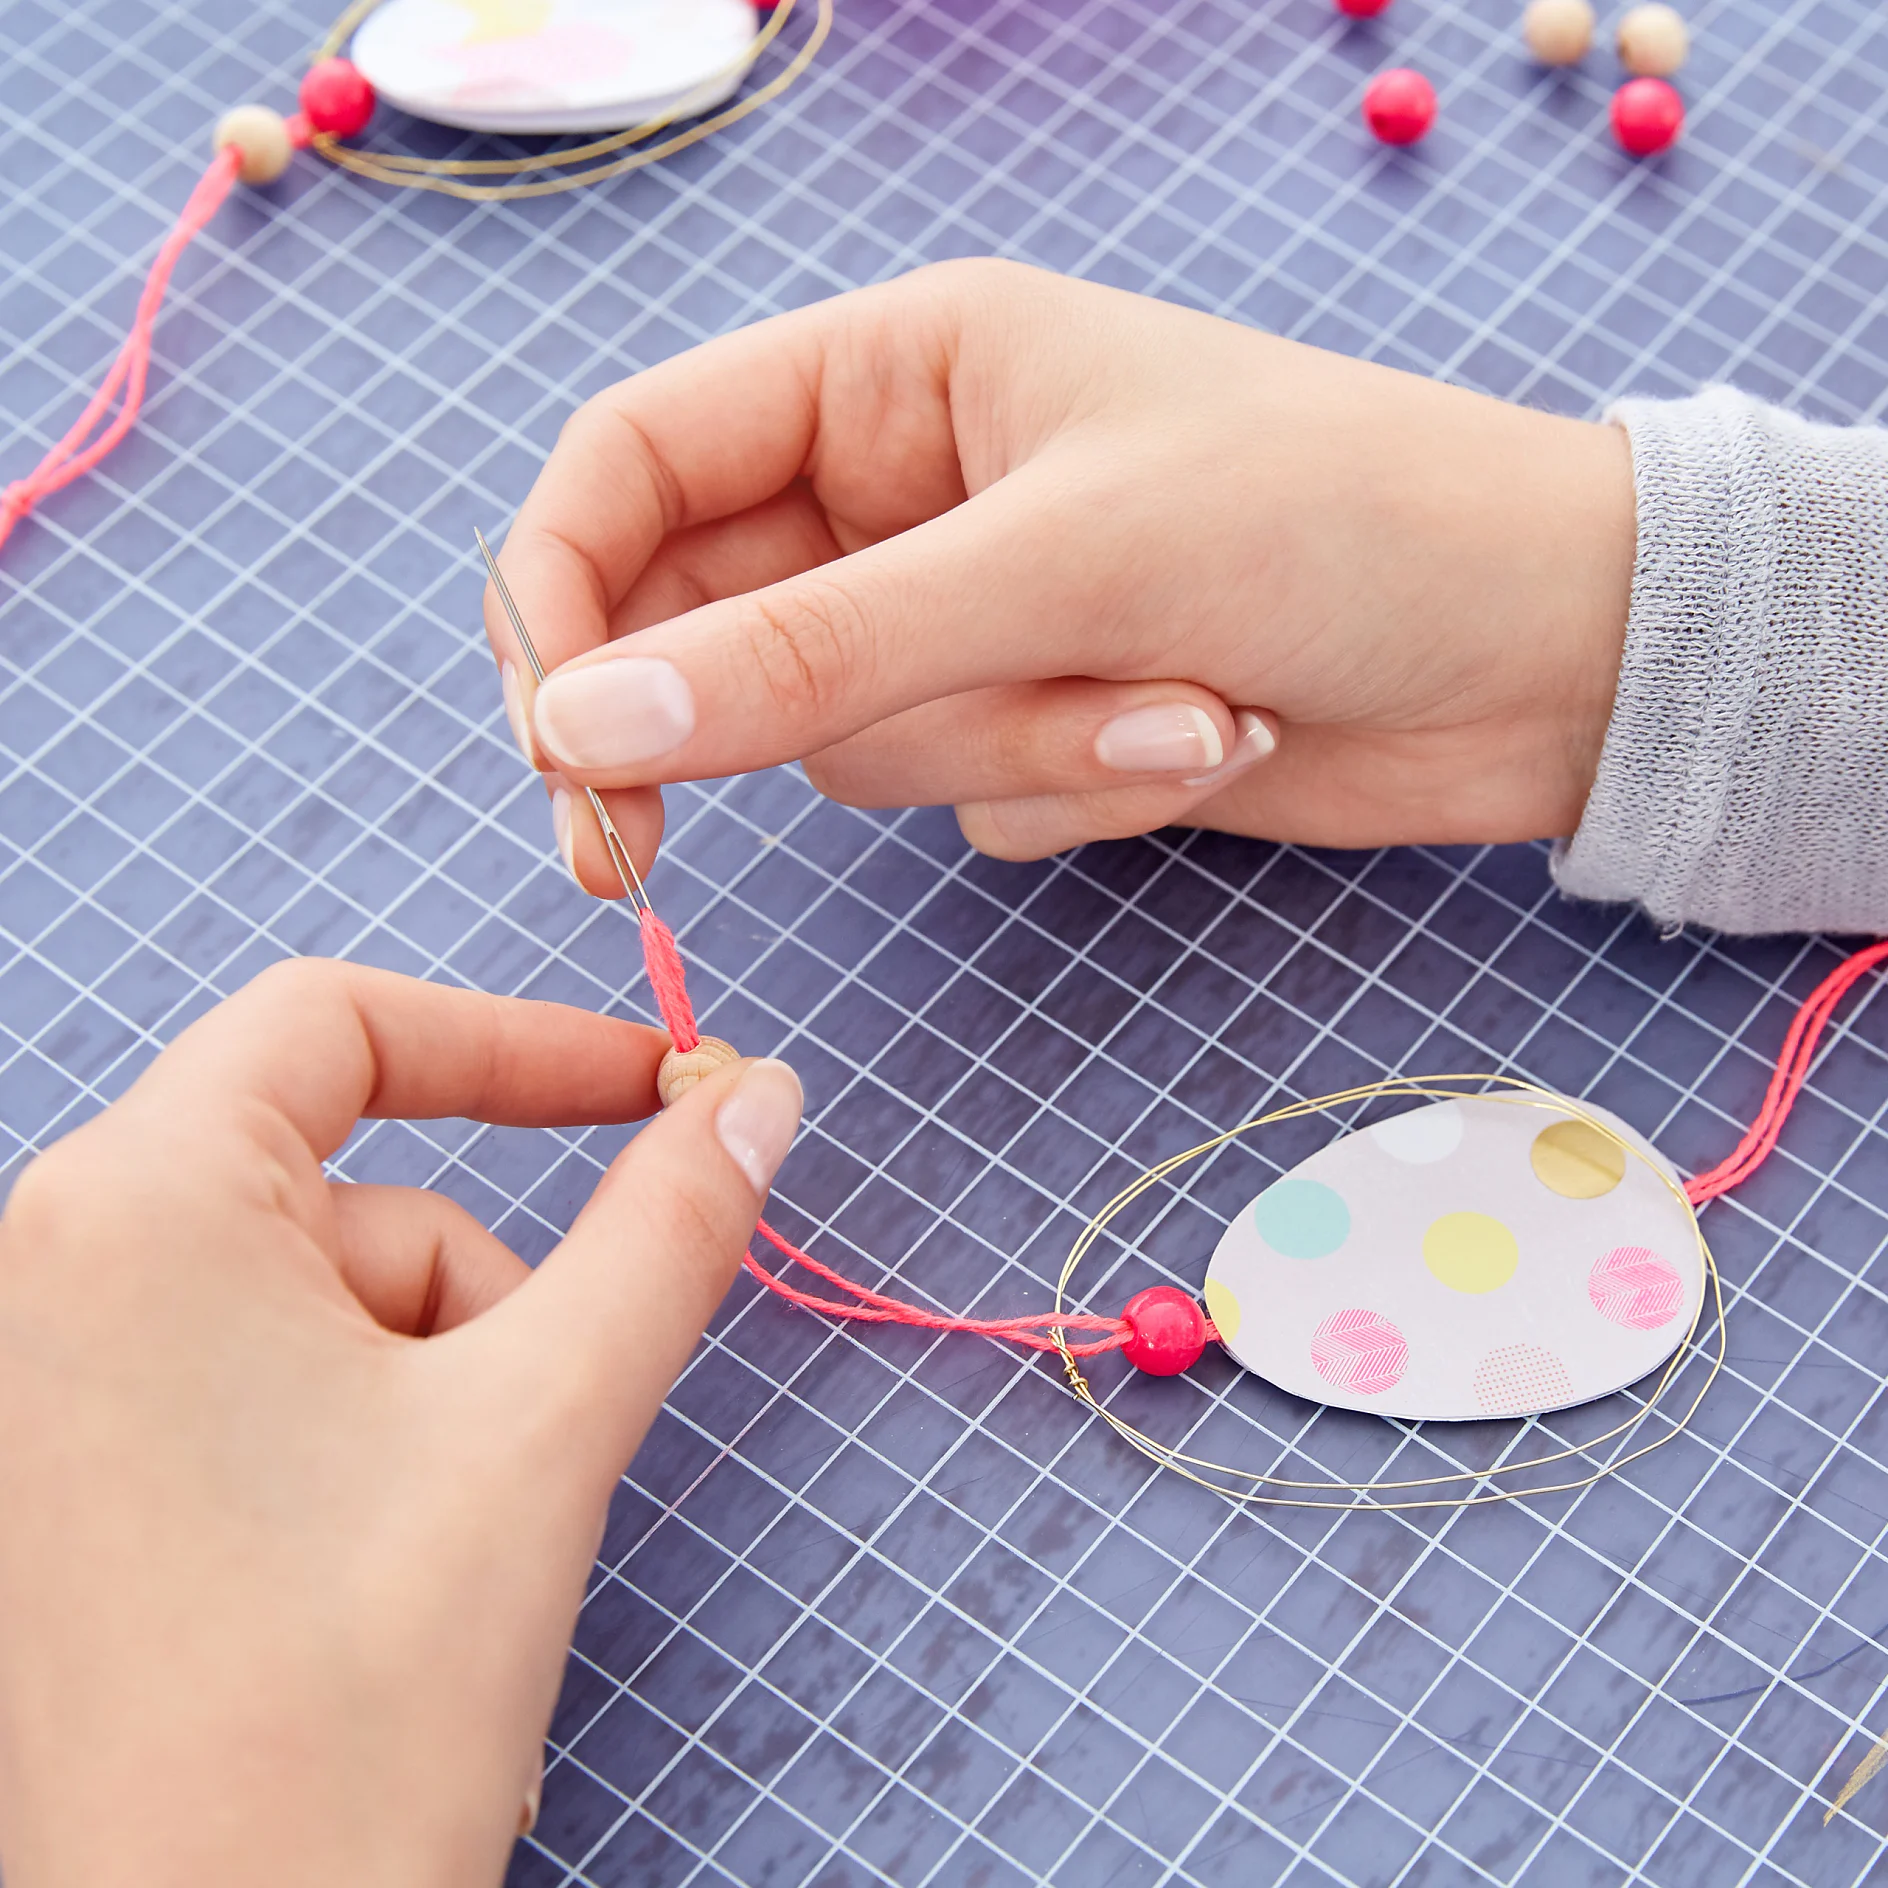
[(1558, 32), (680, 1070), (261, 137), (1654, 41)]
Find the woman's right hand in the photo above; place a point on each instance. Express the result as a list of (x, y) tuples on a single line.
[(1078, 563)]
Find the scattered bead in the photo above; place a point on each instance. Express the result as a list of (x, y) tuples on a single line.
[(261, 140), (1399, 105), (1653, 41), (1362, 9), (336, 98), (1169, 1331), (1647, 116), (682, 1069), (1558, 32)]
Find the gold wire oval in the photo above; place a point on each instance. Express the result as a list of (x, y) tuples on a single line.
[(445, 175), (1514, 1092)]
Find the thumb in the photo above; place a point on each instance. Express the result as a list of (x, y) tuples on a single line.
[(609, 1318), (963, 601)]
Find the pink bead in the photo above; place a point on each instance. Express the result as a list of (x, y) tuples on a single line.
[(1647, 116), (1169, 1331), (1399, 105), (1362, 9), (336, 98)]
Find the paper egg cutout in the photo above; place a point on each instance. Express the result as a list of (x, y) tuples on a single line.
[(554, 66), (1465, 1260)]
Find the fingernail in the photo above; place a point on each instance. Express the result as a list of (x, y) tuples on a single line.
[(561, 826), (1252, 741), (615, 714), (533, 1798), (1167, 738), (757, 1121), (514, 713)]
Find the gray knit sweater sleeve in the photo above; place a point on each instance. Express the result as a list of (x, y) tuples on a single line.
[(1744, 783)]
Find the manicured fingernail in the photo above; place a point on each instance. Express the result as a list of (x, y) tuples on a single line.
[(1252, 741), (615, 714), (1170, 737), (514, 713), (756, 1122), (533, 1797), (561, 826)]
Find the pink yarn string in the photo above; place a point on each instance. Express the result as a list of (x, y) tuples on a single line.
[(72, 457), (1792, 1071), (669, 979), (874, 1307), (662, 958)]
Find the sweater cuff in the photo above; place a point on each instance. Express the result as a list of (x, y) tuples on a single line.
[(1744, 780)]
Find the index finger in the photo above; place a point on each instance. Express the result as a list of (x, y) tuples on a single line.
[(323, 1044), (720, 429)]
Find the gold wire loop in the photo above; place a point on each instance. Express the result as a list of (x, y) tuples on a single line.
[(448, 175), (1252, 1488)]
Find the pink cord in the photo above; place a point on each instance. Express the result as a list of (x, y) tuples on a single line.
[(71, 458), (663, 960), (1799, 1049), (668, 978)]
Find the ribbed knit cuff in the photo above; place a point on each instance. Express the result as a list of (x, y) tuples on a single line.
[(1744, 781)]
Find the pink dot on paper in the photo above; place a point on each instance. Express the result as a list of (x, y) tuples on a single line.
[(1359, 1351), (1520, 1380), (1633, 1286)]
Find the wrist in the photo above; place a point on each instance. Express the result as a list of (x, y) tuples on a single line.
[(1592, 568)]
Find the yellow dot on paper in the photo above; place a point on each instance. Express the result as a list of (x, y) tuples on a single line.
[(1470, 1252), (1577, 1161), (505, 19), (1223, 1308)]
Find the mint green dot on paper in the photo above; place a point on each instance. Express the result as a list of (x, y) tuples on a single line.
[(1301, 1219)]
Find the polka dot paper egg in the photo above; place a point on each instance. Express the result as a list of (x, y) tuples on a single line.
[(553, 66), (1467, 1259)]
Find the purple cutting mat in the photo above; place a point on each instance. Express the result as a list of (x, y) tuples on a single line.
[(885, 1607)]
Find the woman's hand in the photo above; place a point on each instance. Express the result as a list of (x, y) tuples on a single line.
[(1079, 563), (301, 1481)]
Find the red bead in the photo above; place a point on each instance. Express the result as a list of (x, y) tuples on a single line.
[(1399, 106), (1169, 1331), (1362, 9), (335, 98), (1647, 116)]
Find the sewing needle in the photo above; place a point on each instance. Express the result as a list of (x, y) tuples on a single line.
[(619, 853)]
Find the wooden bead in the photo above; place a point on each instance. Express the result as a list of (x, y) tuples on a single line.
[(680, 1070), (1558, 32), (1654, 41), (261, 139)]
